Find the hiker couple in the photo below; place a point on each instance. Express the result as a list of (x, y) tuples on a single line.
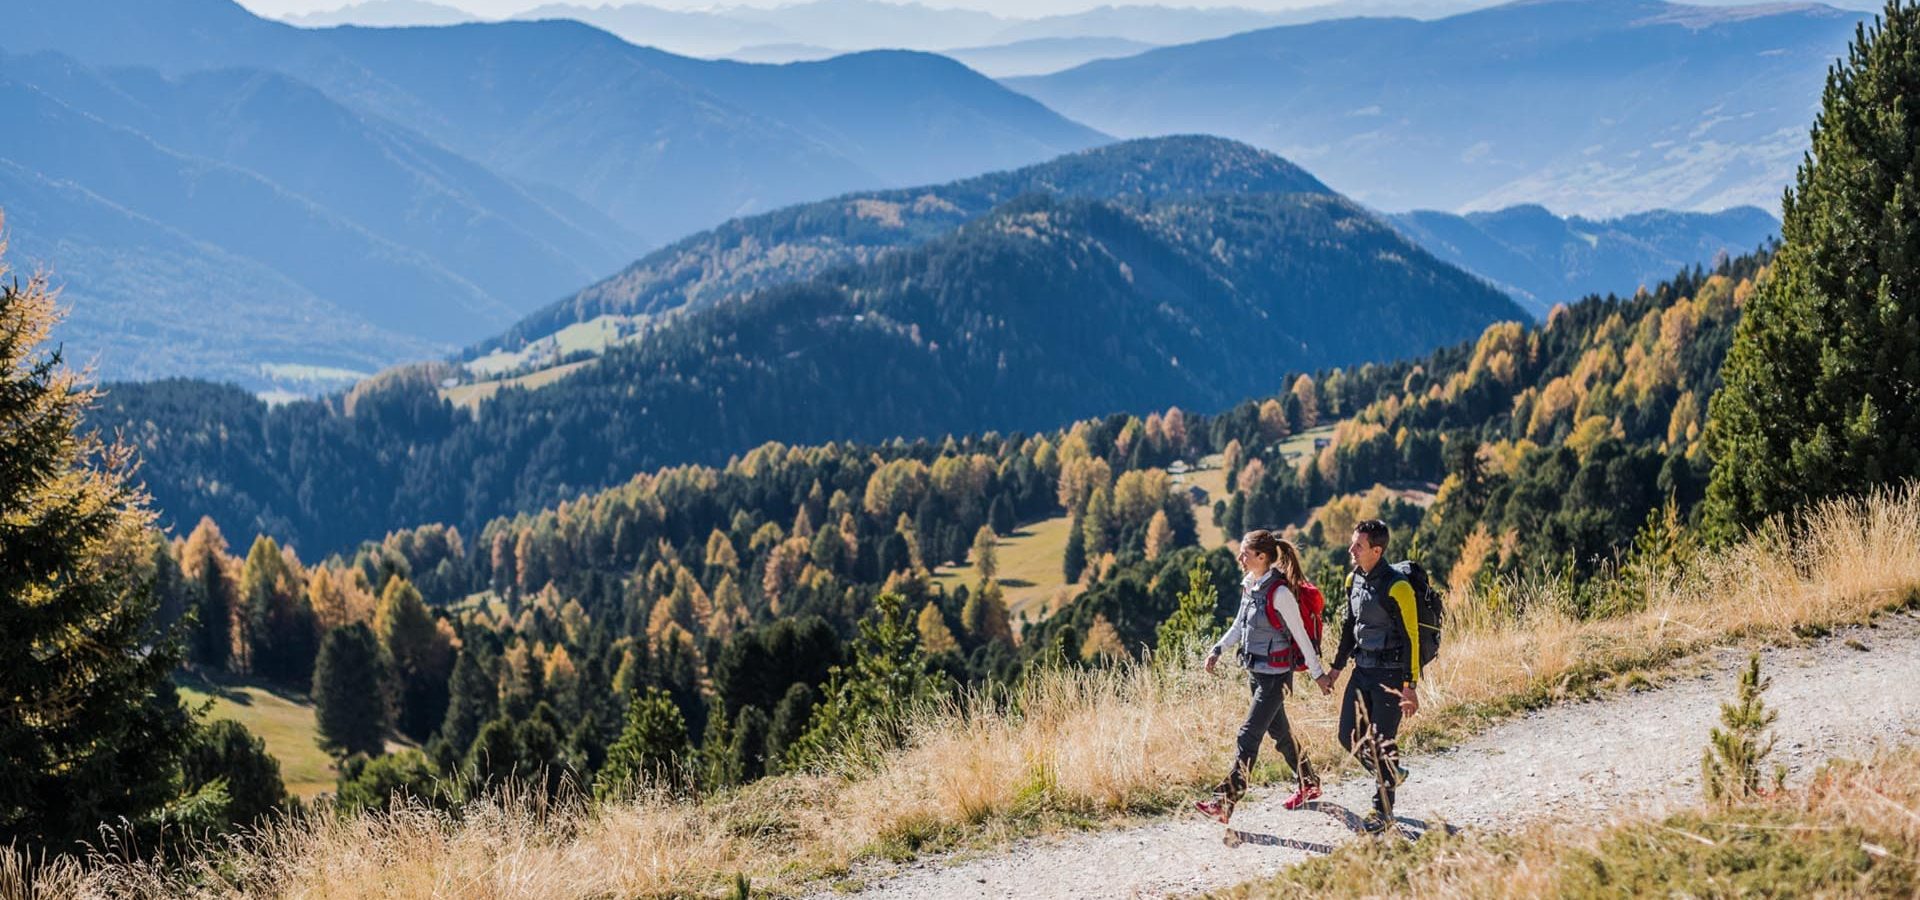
[(1277, 632)]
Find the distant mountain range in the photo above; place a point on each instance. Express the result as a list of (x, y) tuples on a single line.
[(384, 14), (1595, 107), (1541, 259), (392, 181), (998, 46)]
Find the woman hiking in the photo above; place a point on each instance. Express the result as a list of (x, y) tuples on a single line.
[(1269, 653)]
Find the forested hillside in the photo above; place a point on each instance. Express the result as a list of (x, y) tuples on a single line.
[(798, 242), (1195, 302)]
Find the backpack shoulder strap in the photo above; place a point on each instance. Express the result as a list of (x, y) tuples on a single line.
[(1273, 615)]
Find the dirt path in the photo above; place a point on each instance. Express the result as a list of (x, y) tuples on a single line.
[(1637, 752)]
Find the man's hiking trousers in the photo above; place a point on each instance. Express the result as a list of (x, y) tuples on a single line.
[(1366, 699)]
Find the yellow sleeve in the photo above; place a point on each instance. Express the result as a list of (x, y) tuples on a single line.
[(1402, 594)]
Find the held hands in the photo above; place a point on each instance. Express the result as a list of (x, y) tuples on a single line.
[(1212, 658), (1325, 681), (1409, 700)]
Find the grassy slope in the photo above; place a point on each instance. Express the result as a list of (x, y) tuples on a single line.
[(1030, 557), (286, 722)]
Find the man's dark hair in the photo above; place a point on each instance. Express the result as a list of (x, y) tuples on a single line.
[(1375, 530)]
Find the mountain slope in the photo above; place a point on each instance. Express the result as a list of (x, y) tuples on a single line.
[(1541, 259), (662, 144), (1593, 106), (802, 241), (1044, 310), (371, 220)]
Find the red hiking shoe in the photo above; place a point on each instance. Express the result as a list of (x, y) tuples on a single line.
[(1307, 793), (1219, 809)]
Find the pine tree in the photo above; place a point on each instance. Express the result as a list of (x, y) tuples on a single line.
[(1000, 515), (867, 700), (473, 699), (1184, 632), (1822, 383), (1073, 562), (1097, 524), (91, 729), (748, 749), (350, 692), (789, 722), (651, 746), (224, 750), (1730, 767)]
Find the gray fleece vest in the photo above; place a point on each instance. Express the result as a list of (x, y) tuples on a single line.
[(1263, 640)]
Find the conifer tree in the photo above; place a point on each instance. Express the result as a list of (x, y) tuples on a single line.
[(1730, 767), (1822, 383), (214, 594), (650, 748), (934, 633), (473, 699), (421, 656), (1073, 562), (1159, 535), (91, 729), (1098, 523), (1192, 622), (279, 619), (350, 692), (868, 699), (225, 750)]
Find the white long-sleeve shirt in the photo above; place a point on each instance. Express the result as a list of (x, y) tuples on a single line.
[(1253, 596)]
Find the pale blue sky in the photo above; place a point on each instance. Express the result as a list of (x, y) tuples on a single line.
[(1008, 8)]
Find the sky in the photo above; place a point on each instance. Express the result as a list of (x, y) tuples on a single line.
[(1006, 8)]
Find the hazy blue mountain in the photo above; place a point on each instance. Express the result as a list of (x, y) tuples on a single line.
[(1541, 259), (364, 217), (779, 53), (661, 143), (383, 14), (691, 32), (1147, 24), (1039, 56), (146, 300), (802, 241), (1591, 106), (863, 24)]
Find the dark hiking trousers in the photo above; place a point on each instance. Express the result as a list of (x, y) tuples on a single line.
[(1267, 716), (1367, 690)]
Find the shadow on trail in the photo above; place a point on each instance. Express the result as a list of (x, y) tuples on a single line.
[(1410, 828), (1236, 838)]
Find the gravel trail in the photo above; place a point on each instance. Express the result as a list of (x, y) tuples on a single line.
[(1626, 753)]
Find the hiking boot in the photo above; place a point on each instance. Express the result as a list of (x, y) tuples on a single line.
[(1219, 809), (1376, 822), (1308, 792)]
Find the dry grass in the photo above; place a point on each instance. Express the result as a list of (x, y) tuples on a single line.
[(1069, 748), (1853, 832)]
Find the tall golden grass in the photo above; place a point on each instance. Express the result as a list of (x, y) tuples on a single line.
[(1066, 748)]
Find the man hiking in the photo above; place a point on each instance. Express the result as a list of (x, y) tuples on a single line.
[(1273, 641), (1380, 634)]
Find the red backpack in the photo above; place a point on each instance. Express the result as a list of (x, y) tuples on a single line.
[(1313, 606)]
